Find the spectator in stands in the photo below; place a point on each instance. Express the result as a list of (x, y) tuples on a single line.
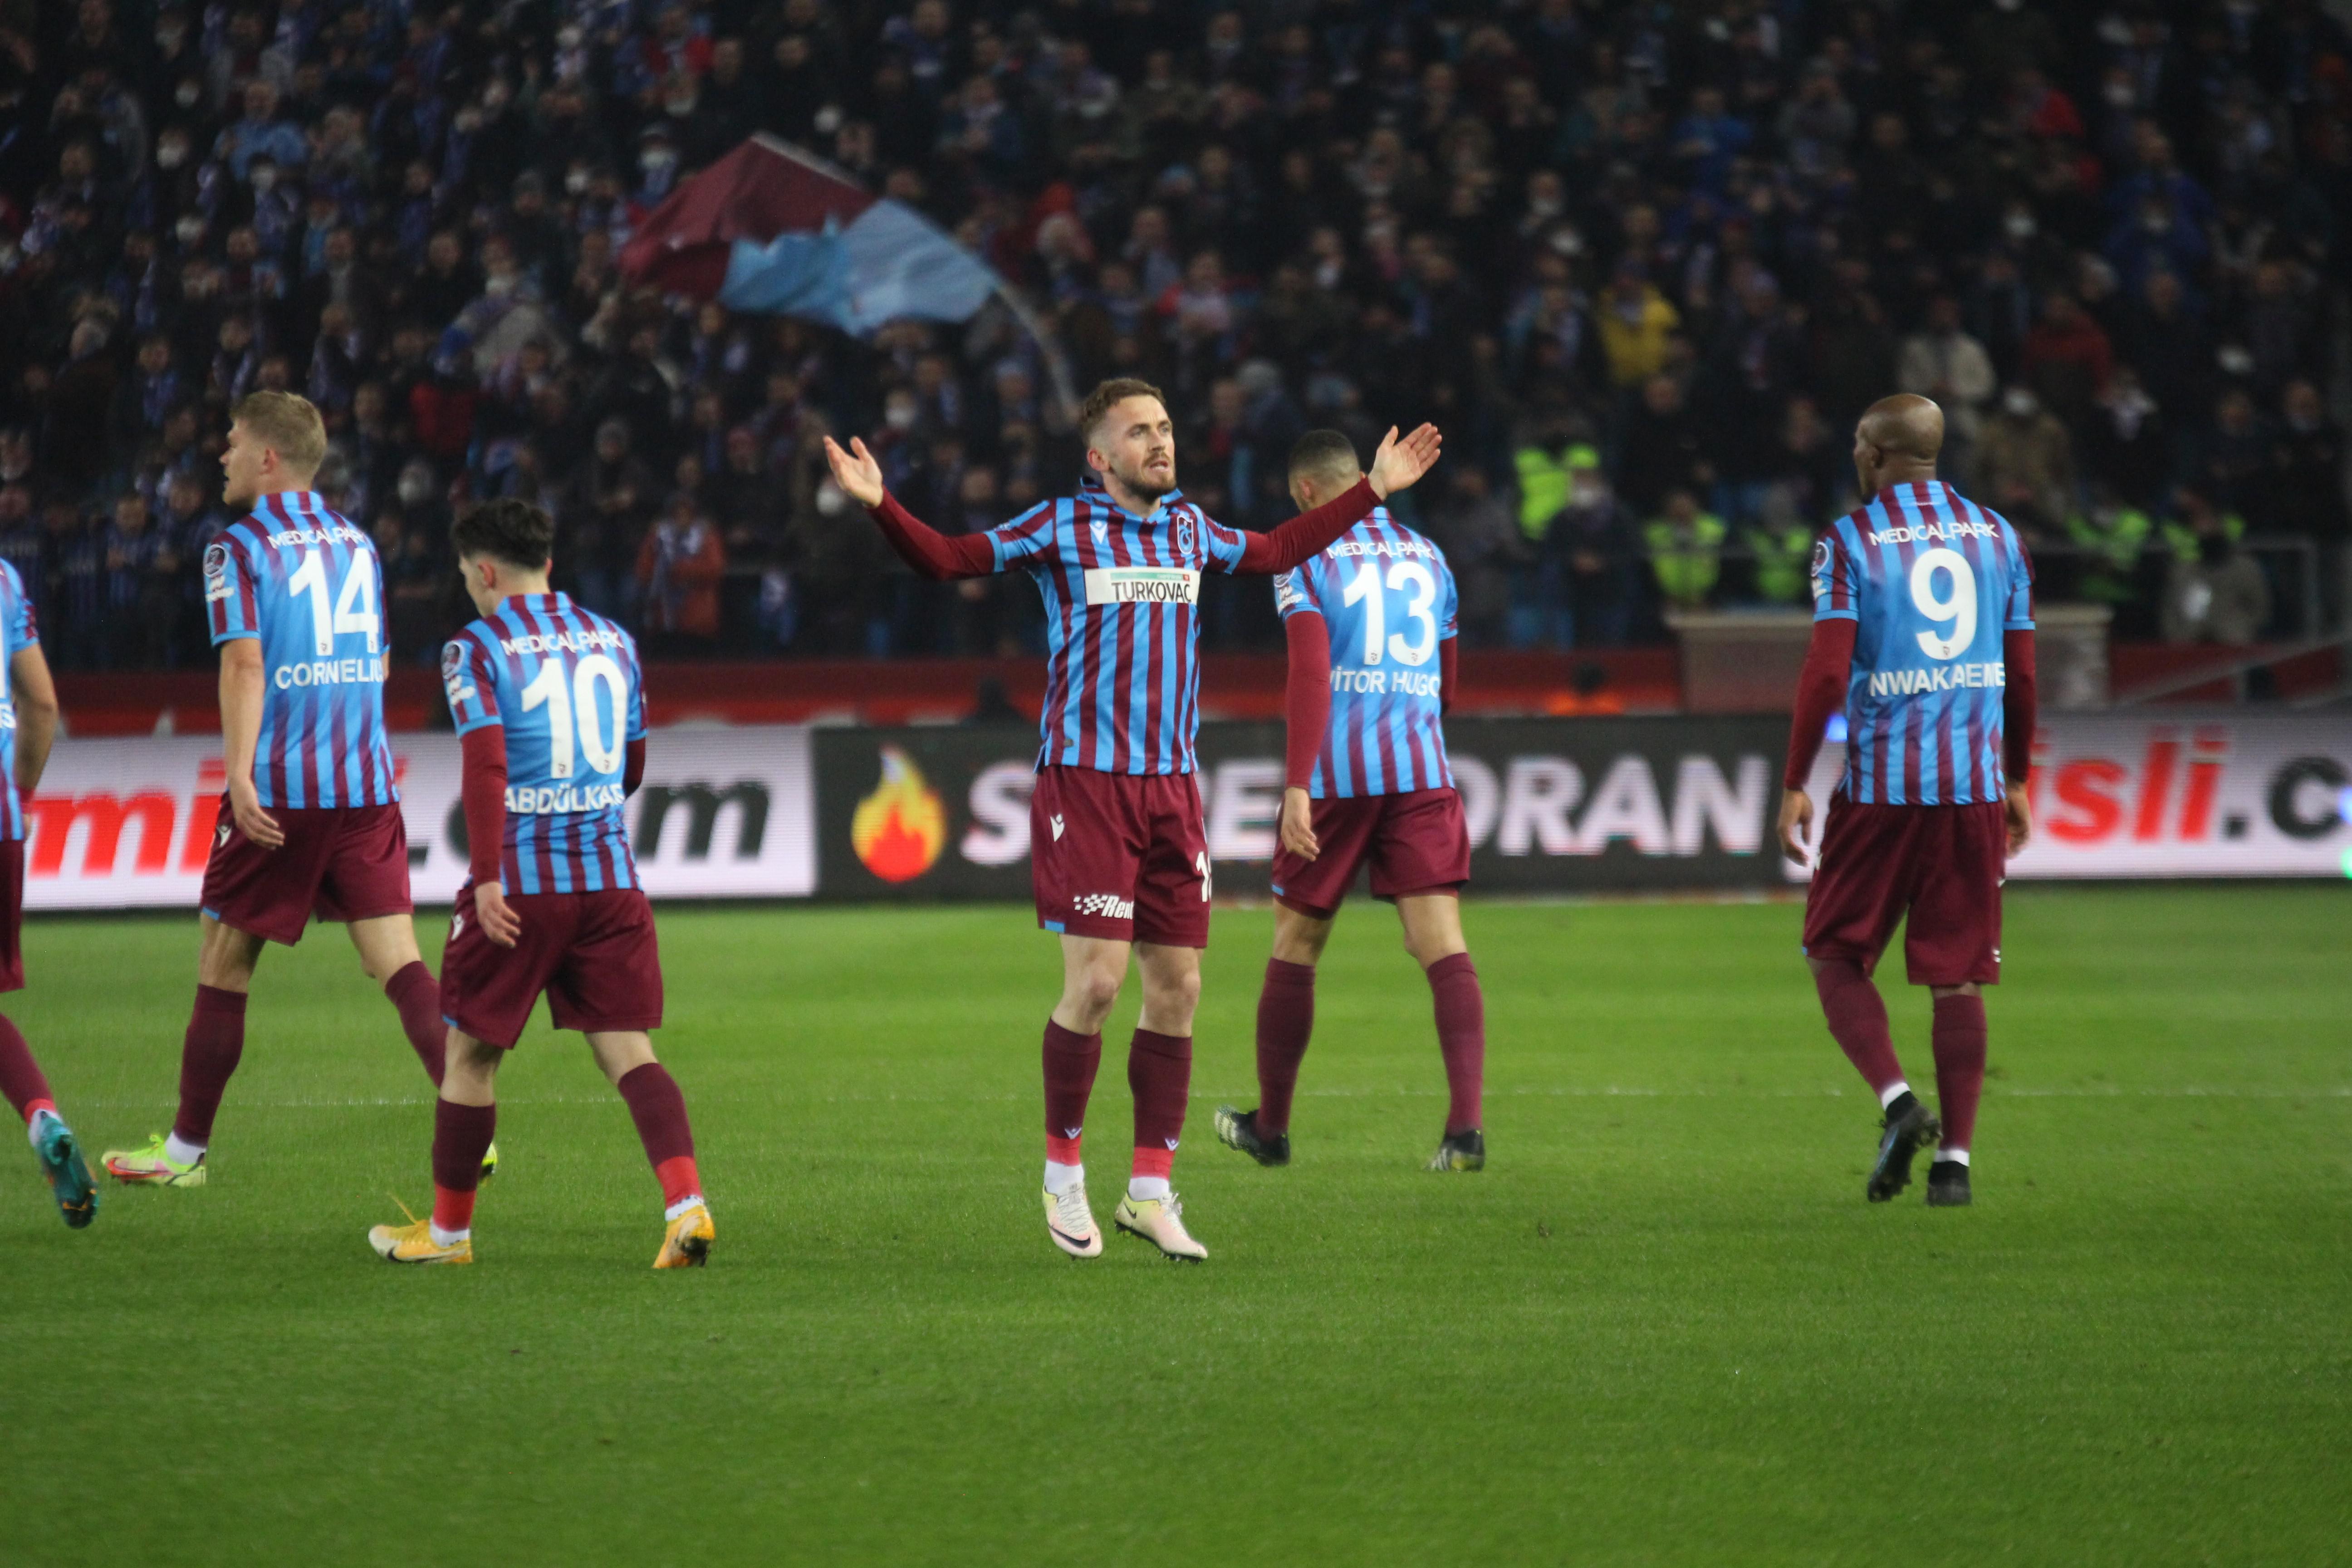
[(1941, 360), (2025, 465), (2213, 592), (678, 571), (1686, 549)]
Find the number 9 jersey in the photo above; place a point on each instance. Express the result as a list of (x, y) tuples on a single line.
[(566, 685), (1387, 597), (306, 582), (1932, 581)]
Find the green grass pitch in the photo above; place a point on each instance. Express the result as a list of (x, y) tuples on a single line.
[(1662, 1327)]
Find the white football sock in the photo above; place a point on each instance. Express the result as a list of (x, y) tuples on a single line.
[(178, 1148), (691, 1201), (1147, 1189), (448, 1237), (1953, 1156), (33, 1126), (1892, 1093), (1061, 1178)]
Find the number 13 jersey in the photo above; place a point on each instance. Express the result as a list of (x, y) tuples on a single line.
[(1387, 598), (306, 582), (1932, 581), (566, 685)]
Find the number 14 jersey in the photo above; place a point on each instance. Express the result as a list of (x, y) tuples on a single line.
[(1932, 581), (1387, 598), (296, 575), (565, 684)]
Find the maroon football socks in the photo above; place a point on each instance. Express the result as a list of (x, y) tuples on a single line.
[(1959, 1042), (461, 1136), (1857, 1020), (1159, 1073), (1462, 1037), (21, 1082), (1285, 1021), (1071, 1060), (659, 1112), (418, 996), (215, 1040)]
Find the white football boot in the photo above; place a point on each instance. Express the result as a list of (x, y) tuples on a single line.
[(1071, 1223), (1161, 1221)]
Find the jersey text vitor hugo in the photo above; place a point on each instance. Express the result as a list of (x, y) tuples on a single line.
[(1388, 682)]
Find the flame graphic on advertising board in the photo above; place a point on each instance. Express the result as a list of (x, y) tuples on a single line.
[(901, 828)]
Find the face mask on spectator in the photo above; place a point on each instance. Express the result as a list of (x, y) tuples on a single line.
[(680, 108), (830, 499), (2020, 225), (190, 229), (2019, 403), (2119, 94), (416, 490), (899, 416), (576, 181), (654, 160), (168, 39), (264, 180), (187, 95), (170, 154)]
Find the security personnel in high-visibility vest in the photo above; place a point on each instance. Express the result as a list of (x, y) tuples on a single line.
[(1685, 548), (2111, 538), (2190, 503), (1547, 478), (1783, 548)]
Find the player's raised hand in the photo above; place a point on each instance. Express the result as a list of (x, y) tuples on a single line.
[(1399, 463), (2019, 812), (1796, 823), (856, 471), (500, 922), (1298, 827), (244, 805)]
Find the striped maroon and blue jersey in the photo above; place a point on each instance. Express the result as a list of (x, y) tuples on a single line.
[(1387, 598), (1122, 602), (566, 686), (18, 631), (305, 581), (1932, 581)]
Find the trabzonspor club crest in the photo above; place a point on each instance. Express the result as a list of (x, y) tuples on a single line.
[(1183, 536)]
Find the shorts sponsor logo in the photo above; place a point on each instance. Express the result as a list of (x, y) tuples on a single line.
[(1103, 905), (1142, 586), (901, 828)]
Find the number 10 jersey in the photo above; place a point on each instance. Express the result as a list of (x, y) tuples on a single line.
[(1932, 581), (565, 684), (1387, 598), (306, 582)]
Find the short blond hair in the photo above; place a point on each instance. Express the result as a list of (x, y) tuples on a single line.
[(1109, 395), (288, 424)]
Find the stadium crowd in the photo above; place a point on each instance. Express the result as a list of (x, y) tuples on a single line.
[(1644, 263)]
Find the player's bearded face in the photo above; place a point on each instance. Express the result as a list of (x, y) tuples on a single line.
[(1137, 447)]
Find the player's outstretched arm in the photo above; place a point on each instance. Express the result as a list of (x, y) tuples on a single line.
[(1398, 464), (928, 552), (1821, 692), (241, 693), (1306, 713)]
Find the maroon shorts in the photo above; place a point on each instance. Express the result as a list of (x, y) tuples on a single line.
[(1941, 865), (1416, 843), (11, 915), (339, 863), (1120, 856), (593, 956)]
